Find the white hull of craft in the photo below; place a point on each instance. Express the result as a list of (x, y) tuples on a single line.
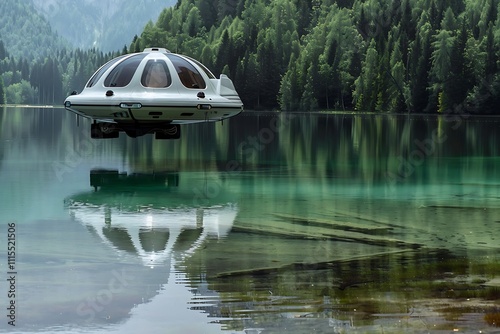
[(173, 110)]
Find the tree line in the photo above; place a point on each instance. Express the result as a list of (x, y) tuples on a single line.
[(48, 80), (369, 55)]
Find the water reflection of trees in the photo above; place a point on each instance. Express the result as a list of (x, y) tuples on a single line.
[(361, 145), (375, 150)]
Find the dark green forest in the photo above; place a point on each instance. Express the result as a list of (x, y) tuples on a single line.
[(432, 56)]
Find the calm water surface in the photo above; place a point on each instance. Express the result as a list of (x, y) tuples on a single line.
[(268, 223)]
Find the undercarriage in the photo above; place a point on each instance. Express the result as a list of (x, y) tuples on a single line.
[(106, 130)]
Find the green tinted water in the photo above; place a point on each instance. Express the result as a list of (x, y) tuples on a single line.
[(269, 223)]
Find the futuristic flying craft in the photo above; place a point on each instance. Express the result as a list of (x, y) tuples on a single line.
[(154, 91)]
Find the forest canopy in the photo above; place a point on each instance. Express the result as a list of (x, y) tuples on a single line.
[(431, 56)]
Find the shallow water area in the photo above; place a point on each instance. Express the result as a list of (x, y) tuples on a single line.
[(267, 223)]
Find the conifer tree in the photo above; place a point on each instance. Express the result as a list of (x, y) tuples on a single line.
[(461, 76), (2, 92)]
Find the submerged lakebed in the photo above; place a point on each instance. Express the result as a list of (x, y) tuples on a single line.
[(268, 223)]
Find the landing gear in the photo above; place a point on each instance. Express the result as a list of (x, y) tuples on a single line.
[(172, 131), (104, 130)]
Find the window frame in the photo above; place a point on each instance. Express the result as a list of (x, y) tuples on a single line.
[(187, 71), (147, 71), (121, 75), (100, 72), (205, 69)]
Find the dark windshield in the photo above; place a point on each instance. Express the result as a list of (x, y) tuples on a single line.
[(189, 75), (122, 74), (203, 67), (97, 75)]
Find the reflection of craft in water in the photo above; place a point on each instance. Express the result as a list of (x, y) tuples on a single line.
[(151, 219), (153, 92), (149, 215)]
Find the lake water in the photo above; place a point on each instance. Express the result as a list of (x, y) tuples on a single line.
[(268, 223)]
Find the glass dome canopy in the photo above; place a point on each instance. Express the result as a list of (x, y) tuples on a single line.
[(155, 73)]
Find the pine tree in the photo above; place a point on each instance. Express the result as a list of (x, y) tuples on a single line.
[(2, 92), (440, 71), (365, 84), (461, 77), (491, 67), (420, 66), (397, 99), (3, 52), (223, 53)]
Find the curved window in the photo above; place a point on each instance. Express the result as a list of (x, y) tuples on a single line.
[(189, 75), (98, 74), (121, 75), (203, 67), (156, 74)]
